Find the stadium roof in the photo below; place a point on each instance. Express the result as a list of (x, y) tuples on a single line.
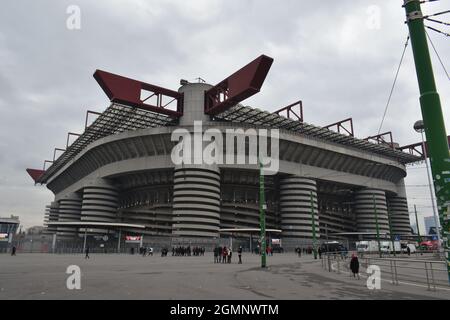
[(244, 114), (115, 119), (118, 118)]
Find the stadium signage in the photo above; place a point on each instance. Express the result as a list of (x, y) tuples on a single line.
[(4, 236), (132, 239)]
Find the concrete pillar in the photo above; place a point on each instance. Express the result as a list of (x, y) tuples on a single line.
[(399, 215), (194, 103), (100, 202), (69, 210), (295, 207), (365, 213), (52, 212), (398, 210), (196, 202), (196, 195)]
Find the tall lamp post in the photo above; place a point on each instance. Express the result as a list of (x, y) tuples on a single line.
[(420, 127), (262, 215), (313, 227), (419, 238), (390, 232), (376, 225), (432, 116)]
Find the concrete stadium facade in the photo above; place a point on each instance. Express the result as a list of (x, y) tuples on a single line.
[(129, 178)]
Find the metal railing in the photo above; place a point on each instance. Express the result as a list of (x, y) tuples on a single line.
[(426, 272)]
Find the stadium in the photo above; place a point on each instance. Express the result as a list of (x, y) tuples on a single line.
[(117, 179)]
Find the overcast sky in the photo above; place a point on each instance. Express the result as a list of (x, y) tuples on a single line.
[(334, 55)]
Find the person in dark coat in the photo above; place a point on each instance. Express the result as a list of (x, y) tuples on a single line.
[(87, 253), (216, 254), (240, 254), (13, 251), (354, 266), (319, 251)]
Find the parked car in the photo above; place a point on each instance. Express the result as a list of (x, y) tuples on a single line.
[(429, 245)]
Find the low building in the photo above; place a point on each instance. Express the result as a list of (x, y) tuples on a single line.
[(8, 228)]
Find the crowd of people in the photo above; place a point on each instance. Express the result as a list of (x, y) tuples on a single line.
[(144, 251), (303, 250), (188, 251), (225, 254)]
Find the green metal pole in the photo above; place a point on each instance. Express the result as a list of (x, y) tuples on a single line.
[(313, 227), (390, 232), (262, 216), (376, 225), (419, 238), (433, 118)]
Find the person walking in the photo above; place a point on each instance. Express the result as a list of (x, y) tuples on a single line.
[(229, 255), (319, 251), (87, 253), (408, 250), (354, 266), (240, 254), (13, 251)]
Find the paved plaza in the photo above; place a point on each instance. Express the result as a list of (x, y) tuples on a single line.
[(112, 276)]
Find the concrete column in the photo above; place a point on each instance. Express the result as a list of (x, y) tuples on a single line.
[(295, 207), (100, 201), (196, 202), (365, 213), (69, 210), (194, 103), (399, 215), (52, 212), (196, 195)]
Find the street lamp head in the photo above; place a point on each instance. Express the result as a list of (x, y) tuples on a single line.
[(419, 126)]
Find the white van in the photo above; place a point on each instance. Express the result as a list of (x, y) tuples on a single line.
[(367, 246), (390, 246)]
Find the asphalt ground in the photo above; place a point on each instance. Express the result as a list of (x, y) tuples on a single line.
[(114, 276)]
